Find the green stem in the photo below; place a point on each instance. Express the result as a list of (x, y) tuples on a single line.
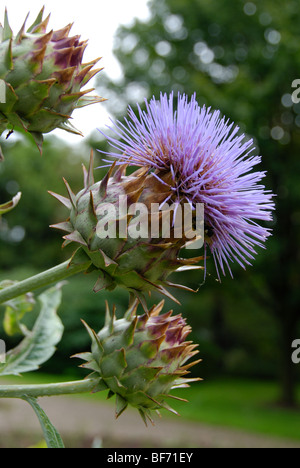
[(52, 389), (45, 278)]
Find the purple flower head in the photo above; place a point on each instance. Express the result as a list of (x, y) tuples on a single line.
[(210, 163)]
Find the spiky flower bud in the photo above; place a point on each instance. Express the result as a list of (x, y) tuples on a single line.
[(136, 264), (141, 358), (208, 162), (43, 75)]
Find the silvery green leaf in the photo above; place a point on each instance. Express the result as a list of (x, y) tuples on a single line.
[(39, 344)]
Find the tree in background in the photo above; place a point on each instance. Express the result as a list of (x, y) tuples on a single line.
[(28, 227), (239, 57)]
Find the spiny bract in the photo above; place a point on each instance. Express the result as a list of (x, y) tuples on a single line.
[(43, 75), (141, 358), (138, 265)]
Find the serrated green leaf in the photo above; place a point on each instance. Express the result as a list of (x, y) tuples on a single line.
[(52, 436), (6, 207), (39, 344)]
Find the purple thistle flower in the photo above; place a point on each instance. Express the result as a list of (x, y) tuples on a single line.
[(210, 163)]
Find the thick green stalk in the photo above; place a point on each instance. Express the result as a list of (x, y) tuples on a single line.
[(45, 278), (51, 389)]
